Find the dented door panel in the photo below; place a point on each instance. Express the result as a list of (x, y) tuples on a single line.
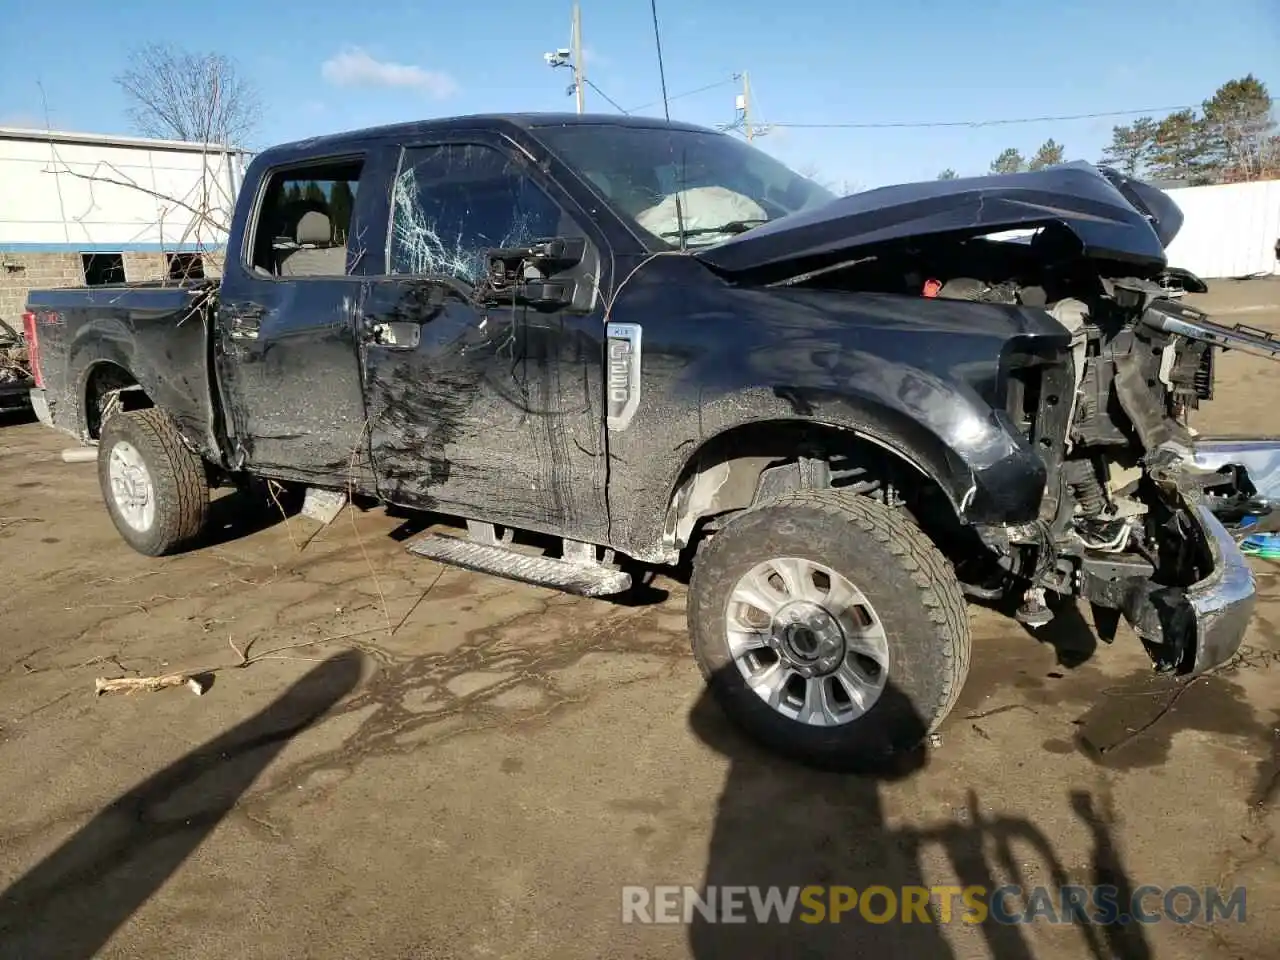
[(294, 402), (285, 350), (484, 410)]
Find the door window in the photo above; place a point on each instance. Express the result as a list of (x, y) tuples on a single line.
[(451, 203), (303, 225)]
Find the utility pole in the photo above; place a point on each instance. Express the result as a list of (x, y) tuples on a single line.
[(742, 110), (579, 68)]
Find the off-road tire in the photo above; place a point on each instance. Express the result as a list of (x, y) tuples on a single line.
[(912, 587), (177, 476)]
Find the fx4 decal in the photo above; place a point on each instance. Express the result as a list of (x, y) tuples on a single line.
[(622, 373)]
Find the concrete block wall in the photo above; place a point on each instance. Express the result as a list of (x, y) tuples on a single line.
[(20, 272)]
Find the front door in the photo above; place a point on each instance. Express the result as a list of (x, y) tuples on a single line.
[(286, 354), (482, 410)]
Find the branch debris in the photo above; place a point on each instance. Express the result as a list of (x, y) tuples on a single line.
[(197, 681), (149, 684)]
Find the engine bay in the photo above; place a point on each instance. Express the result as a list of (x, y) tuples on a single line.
[(1111, 419)]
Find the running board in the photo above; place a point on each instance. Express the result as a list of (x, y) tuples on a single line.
[(584, 578)]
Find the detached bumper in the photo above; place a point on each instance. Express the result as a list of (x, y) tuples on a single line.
[(1222, 603), (41, 406)]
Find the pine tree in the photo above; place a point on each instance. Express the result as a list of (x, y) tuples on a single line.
[(341, 202), (1131, 147), (1237, 130), (313, 191), (1049, 154), (948, 174), (1009, 161), (1180, 150)]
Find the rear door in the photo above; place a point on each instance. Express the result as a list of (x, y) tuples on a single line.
[(488, 411), (286, 355)]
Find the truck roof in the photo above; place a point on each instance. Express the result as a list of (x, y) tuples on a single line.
[(498, 121)]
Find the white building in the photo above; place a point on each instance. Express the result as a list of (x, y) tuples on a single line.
[(1228, 230), (80, 208)]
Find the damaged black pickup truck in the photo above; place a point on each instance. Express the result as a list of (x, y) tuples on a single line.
[(652, 343)]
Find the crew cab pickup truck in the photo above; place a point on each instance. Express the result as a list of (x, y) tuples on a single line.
[(655, 343)]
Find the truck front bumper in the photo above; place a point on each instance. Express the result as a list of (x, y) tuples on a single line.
[(1222, 603)]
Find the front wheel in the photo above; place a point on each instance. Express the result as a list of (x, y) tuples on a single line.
[(829, 627), (155, 488)]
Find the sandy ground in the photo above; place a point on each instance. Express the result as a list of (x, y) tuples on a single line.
[(476, 769)]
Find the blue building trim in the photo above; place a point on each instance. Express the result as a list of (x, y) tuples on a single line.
[(112, 248)]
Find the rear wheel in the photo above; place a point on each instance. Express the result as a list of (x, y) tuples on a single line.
[(829, 627), (155, 488)]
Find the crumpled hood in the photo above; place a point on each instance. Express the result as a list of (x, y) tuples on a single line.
[(1112, 216)]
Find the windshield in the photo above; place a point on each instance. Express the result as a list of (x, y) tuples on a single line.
[(725, 186)]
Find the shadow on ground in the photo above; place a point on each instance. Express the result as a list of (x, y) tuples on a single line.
[(781, 825), (70, 904), (242, 512)]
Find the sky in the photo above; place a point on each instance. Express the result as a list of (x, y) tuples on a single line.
[(328, 65)]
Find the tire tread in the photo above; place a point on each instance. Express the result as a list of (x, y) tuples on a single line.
[(178, 478), (931, 576)]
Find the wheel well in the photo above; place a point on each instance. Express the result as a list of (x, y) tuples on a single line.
[(759, 462), (109, 387)]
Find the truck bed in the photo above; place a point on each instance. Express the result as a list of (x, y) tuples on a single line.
[(95, 339)]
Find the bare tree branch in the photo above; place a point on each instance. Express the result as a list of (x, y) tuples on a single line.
[(180, 95), (205, 213)]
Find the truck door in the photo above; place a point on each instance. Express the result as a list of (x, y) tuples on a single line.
[(481, 409), (286, 355)]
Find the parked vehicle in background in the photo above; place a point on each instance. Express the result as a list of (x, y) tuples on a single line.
[(651, 341), (15, 371)]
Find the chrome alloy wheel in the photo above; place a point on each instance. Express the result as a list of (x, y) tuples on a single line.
[(131, 486), (807, 641)]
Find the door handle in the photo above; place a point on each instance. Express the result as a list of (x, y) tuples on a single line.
[(395, 335), (246, 324)]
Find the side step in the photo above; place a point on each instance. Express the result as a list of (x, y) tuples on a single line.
[(579, 574)]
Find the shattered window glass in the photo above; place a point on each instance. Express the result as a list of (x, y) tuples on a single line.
[(452, 203)]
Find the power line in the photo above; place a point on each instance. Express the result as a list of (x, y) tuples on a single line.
[(978, 123), (687, 93), (591, 83)]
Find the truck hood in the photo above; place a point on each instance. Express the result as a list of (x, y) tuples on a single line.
[(1113, 217)]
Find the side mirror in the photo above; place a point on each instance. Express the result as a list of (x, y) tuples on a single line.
[(546, 294), (526, 275), (537, 293), (549, 256)]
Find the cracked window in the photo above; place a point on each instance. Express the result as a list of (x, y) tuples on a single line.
[(451, 203)]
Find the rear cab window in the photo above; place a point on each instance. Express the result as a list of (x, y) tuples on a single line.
[(303, 223)]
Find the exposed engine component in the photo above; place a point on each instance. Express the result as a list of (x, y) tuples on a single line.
[(1082, 479), (968, 288), (1116, 525)]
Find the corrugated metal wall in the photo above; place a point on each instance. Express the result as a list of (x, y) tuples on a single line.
[(85, 196), (1230, 230)]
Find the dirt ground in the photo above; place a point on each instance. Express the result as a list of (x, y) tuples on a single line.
[(420, 762)]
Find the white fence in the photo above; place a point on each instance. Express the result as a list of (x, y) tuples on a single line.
[(84, 192), (1230, 230)]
